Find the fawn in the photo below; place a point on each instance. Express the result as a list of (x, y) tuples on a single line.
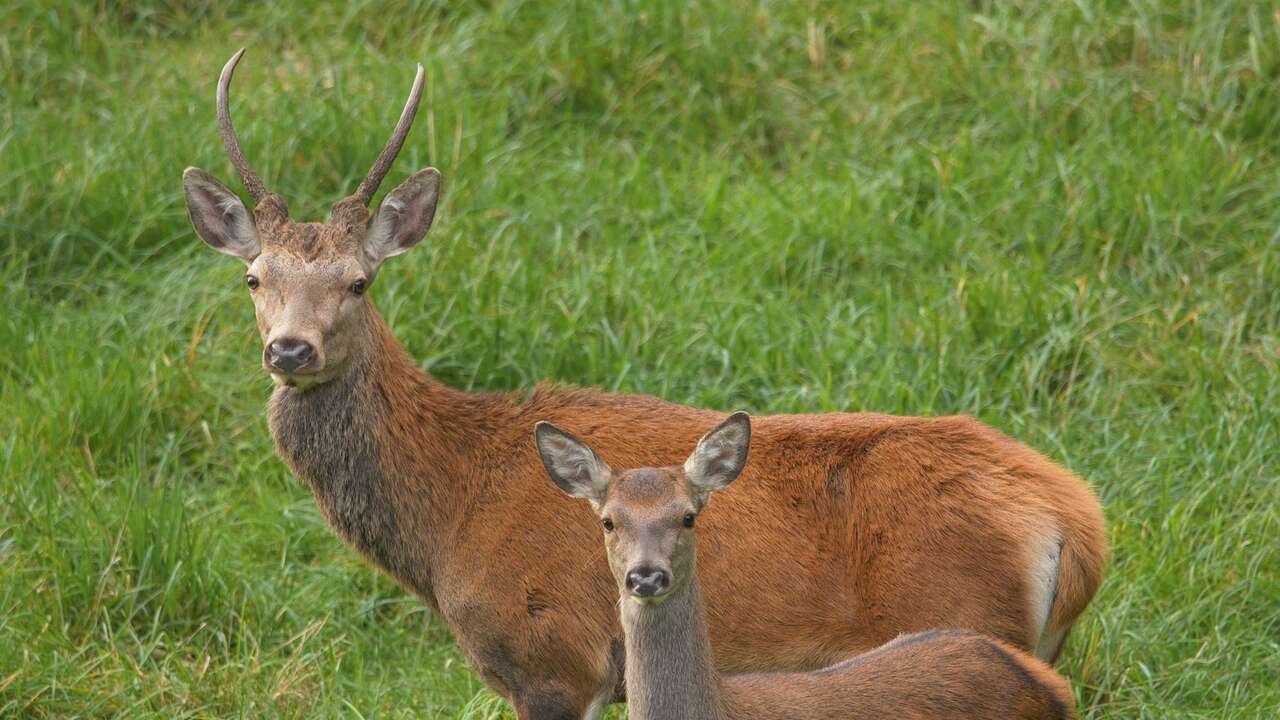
[(648, 516)]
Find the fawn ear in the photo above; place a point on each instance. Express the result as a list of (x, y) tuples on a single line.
[(720, 456), (220, 216), (403, 217), (571, 464)]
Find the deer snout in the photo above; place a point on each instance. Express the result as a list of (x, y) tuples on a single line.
[(290, 354), (647, 582)]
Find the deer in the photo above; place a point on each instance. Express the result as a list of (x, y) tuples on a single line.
[(908, 523), (648, 517)]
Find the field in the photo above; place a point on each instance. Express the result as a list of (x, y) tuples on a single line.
[(1063, 218)]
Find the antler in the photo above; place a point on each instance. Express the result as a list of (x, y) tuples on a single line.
[(364, 193), (251, 181)]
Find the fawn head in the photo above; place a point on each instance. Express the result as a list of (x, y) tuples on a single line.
[(648, 514), (308, 280)]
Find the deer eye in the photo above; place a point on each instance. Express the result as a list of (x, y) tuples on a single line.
[(251, 281), (359, 286), (608, 524), (689, 518)]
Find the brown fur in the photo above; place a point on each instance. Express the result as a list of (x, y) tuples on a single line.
[(649, 517), (924, 676), (920, 529), (862, 526)]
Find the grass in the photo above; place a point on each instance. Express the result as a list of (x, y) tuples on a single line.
[(1061, 217)]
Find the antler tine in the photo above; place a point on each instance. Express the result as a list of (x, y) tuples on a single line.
[(251, 181), (379, 170)]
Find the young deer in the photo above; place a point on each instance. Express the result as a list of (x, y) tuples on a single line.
[(648, 517), (909, 523)]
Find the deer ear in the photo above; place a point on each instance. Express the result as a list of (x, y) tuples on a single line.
[(572, 465), (720, 456), (220, 216), (403, 217)]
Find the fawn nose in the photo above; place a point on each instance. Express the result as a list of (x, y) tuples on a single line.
[(648, 581), (290, 354)]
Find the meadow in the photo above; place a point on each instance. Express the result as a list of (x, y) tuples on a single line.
[(1063, 218)]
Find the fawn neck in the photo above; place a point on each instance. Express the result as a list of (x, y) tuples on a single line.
[(381, 449), (669, 670)]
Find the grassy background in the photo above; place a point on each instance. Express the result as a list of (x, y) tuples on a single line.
[(1061, 217)]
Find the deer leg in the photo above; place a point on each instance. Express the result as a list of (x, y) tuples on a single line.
[(597, 706), (550, 703)]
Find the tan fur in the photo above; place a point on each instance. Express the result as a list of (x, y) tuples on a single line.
[(306, 295), (861, 526), (649, 517), (934, 675)]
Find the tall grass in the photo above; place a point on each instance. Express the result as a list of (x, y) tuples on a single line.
[(1060, 217)]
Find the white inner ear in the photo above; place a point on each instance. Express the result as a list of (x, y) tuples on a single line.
[(712, 464), (574, 463), (221, 219), (695, 465), (381, 242), (239, 229)]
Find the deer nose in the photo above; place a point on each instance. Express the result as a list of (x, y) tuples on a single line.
[(648, 581), (290, 354)]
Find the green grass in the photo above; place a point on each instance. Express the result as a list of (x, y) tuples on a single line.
[(1061, 217)]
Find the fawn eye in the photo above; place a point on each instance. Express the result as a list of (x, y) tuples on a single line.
[(689, 518), (251, 281), (359, 286), (608, 524)]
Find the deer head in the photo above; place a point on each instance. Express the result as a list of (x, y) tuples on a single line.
[(308, 280), (648, 514)]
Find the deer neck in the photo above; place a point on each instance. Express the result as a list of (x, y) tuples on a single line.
[(382, 449), (669, 671)]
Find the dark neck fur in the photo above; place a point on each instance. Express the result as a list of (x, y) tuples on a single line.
[(669, 670), (376, 446)]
